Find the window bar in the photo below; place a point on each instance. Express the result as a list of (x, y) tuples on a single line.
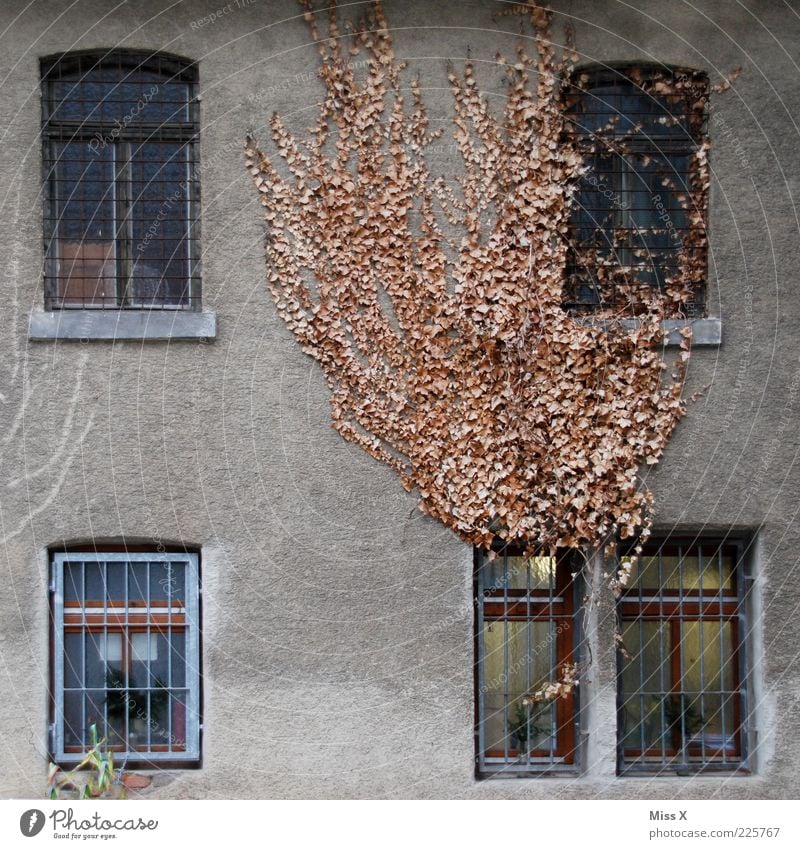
[(482, 717), (105, 649), (529, 660), (682, 686), (723, 671), (506, 708), (738, 652), (551, 713), (702, 638), (169, 654), (641, 677), (148, 665), (84, 688), (662, 655), (125, 654), (124, 236)]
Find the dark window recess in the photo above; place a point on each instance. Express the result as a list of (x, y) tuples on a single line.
[(638, 220), (121, 172), (525, 637), (682, 696)]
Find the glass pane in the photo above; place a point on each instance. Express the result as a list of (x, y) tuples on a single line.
[(542, 573), (115, 577), (144, 650), (646, 684), (514, 573), (73, 582), (159, 713), (648, 671), (73, 665), (95, 712), (496, 733), (137, 584), (159, 581), (95, 586), (642, 724), (687, 572), (178, 711), (178, 659), (160, 224), (518, 656), (708, 662), (104, 666), (85, 225), (119, 93), (73, 719), (644, 572), (518, 660)]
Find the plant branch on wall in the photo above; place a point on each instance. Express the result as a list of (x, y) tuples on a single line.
[(434, 306)]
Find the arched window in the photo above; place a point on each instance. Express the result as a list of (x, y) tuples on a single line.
[(120, 139), (638, 222)]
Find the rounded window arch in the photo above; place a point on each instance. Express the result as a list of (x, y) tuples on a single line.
[(120, 132)]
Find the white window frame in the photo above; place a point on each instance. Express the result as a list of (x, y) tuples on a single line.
[(190, 754)]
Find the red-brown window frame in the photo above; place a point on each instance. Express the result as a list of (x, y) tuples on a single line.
[(680, 605), (514, 605)]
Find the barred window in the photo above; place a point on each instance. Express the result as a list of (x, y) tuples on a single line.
[(126, 643), (525, 640), (682, 694), (638, 220), (122, 194)]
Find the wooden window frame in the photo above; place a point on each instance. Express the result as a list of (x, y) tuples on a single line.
[(558, 607), (674, 607)]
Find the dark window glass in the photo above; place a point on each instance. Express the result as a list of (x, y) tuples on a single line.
[(120, 142), (638, 132)]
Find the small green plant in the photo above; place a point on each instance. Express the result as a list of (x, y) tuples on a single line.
[(682, 716), (523, 725), (132, 703), (92, 778)]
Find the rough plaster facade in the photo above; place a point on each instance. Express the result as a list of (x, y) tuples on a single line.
[(337, 652)]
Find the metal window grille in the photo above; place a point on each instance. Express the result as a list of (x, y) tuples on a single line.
[(682, 699), (525, 636), (120, 137), (126, 659), (634, 226)]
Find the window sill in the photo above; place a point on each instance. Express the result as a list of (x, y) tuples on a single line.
[(706, 332), (121, 325)]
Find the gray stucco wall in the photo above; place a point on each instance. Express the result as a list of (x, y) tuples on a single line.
[(337, 621)]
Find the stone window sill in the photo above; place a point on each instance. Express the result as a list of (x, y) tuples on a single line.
[(706, 332), (121, 325)]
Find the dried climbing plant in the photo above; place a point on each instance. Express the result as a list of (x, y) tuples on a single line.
[(435, 310)]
